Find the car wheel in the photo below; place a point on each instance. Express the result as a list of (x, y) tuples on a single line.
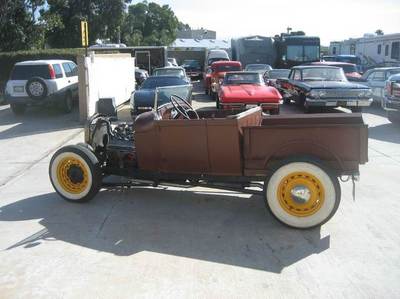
[(18, 109), (67, 103), (75, 173), (394, 117), (274, 111), (302, 194), (36, 88), (356, 109), (286, 101)]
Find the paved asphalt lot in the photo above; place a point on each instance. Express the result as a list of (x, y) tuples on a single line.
[(185, 243)]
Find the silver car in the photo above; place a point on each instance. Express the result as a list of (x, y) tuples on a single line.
[(376, 80)]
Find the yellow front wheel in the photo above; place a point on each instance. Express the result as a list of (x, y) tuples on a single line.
[(75, 173), (302, 194)]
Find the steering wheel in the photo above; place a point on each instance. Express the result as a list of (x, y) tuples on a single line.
[(183, 107)]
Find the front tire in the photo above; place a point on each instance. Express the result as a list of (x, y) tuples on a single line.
[(75, 173), (67, 103), (356, 109), (302, 194)]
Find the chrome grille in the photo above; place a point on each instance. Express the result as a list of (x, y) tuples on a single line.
[(396, 89), (343, 93)]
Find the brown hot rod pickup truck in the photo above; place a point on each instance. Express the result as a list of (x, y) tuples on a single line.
[(299, 158)]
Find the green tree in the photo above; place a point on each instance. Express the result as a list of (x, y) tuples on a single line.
[(62, 20), (17, 26), (149, 24)]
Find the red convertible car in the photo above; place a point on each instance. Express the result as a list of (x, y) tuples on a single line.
[(241, 90)]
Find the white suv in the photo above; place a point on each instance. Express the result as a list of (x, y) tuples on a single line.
[(42, 82)]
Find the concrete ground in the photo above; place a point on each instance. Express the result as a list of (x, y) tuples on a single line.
[(188, 243)]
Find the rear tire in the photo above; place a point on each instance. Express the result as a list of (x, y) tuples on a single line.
[(394, 117), (356, 109), (67, 103), (75, 173), (18, 109), (302, 194), (217, 103)]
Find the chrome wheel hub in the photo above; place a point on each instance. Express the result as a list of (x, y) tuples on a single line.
[(300, 194)]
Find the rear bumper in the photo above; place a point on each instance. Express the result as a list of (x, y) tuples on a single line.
[(338, 102), (31, 102), (390, 104), (194, 74), (264, 106)]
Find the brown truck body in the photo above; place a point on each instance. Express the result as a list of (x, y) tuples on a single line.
[(248, 145)]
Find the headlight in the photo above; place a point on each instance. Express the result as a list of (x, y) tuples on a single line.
[(315, 93), (366, 93)]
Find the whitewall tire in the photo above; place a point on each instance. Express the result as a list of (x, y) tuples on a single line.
[(302, 194), (75, 173)]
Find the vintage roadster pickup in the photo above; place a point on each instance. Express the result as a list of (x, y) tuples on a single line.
[(318, 87), (293, 161)]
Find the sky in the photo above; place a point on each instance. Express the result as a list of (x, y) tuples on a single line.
[(330, 20)]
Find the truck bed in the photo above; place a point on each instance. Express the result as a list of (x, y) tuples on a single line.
[(340, 141)]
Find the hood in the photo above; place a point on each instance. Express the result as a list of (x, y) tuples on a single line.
[(333, 85), (144, 98), (247, 91)]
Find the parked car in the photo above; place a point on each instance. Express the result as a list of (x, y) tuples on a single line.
[(299, 158), (349, 69), (140, 76), (41, 82), (259, 68), (324, 86), (172, 71), (244, 90), (391, 101), (207, 80), (192, 68), (270, 77), (376, 80), (172, 61), (147, 97), (218, 71)]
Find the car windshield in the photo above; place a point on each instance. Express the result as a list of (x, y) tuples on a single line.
[(323, 74), (393, 72), (212, 60), (258, 67), (348, 68), (25, 72), (192, 63), (242, 78), (153, 83), (302, 53), (227, 68), (169, 72), (278, 74)]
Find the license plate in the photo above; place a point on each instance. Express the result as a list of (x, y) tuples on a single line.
[(343, 103), (18, 89), (251, 106)]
